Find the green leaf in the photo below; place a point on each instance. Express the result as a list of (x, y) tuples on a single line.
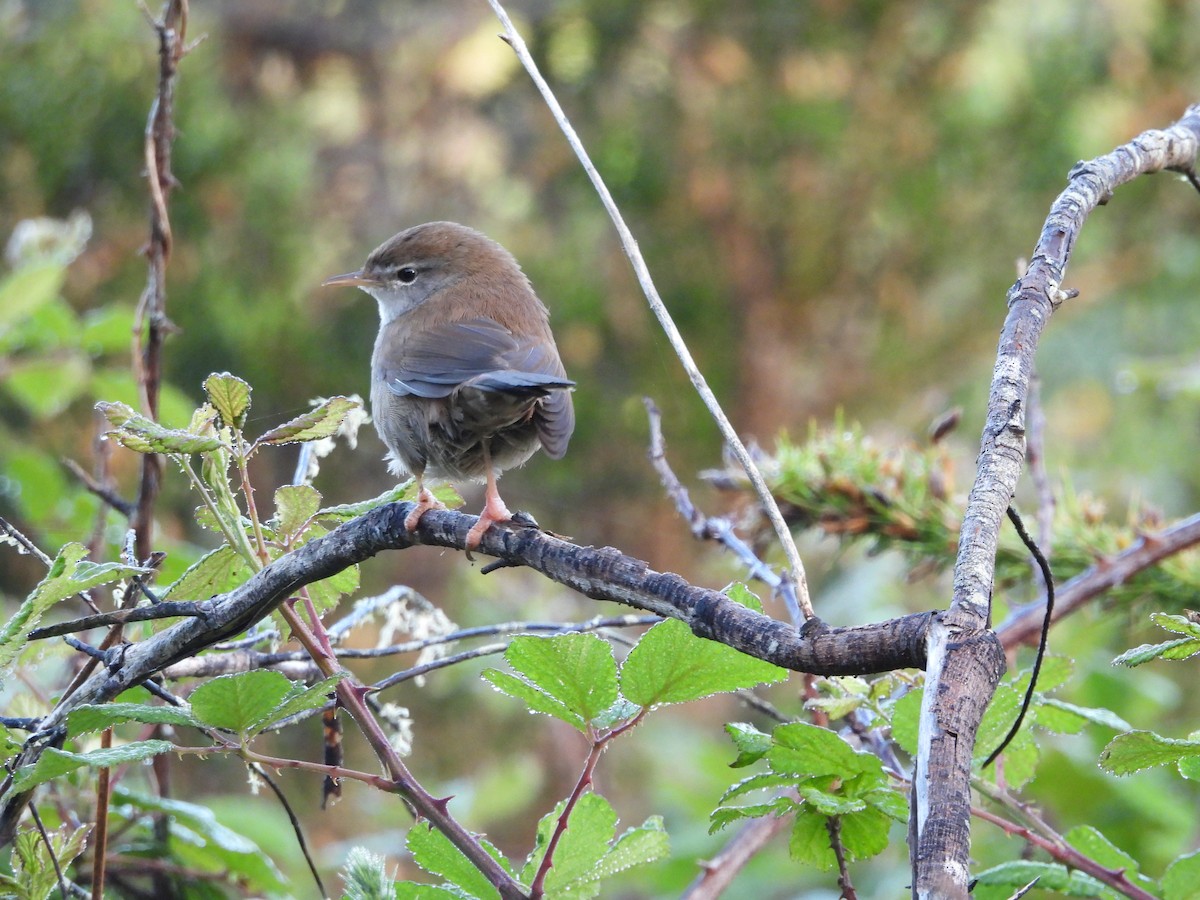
[(536, 700), (639, 845), (96, 717), (217, 572), (433, 852), (829, 803), (741, 593), (1137, 750), (298, 700), (671, 665), (722, 816), (761, 781), (295, 505), (575, 670), (322, 422), (141, 435), (1182, 648), (891, 802), (239, 702), (401, 492), (54, 763), (28, 288), (809, 844), (1050, 877), (865, 834), (230, 396), (752, 744), (1178, 624), (69, 574), (906, 715), (804, 749), (34, 873), (586, 852), (594, 823), (1180, 880)]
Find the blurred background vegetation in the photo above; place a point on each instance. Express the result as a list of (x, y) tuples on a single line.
[(832, 198)]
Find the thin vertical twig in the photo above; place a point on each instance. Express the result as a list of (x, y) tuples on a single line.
[(796, 566), (151, 324)]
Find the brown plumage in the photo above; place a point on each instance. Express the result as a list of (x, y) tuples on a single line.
[(466, 380)]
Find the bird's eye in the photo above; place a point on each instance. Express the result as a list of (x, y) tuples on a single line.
[(407, 275)]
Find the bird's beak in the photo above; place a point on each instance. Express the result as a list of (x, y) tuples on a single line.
[(350, 279)]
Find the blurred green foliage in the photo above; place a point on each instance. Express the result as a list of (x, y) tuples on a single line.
[(831, 198)]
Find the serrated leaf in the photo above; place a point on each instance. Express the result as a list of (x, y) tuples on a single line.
[(758, 782), (809, 841), (577, 670), (590, 828), (1049, 876), (1178, 624), (295, 505), (671, 665), (889, 801), (298, 700), (828, 803), (401, 492), (238, 702), (230, 397), (835, 707), (96, 717), (54, 763), (1137, 750), (322, 422), (1181, 648), (642, 844), (724, 815), (865, 834), (33, 871), (536, 700), (752, 744), (741, 593), (906, 715), (808, 750), (1180, 880), (217, 572), (142, 435), (433, 852)]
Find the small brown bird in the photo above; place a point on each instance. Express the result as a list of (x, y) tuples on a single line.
[(466, 380)]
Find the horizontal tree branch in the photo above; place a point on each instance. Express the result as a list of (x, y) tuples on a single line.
[(599, 573)]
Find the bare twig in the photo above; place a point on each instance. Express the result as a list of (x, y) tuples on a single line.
[(713, 528), (717, 874), (730, 435), (151, 323)]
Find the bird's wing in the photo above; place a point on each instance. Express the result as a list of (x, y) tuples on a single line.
[(479, 353)]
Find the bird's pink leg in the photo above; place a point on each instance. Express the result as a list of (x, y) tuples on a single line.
[(494, 509)]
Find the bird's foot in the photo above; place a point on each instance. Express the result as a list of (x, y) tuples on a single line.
[(425, 502), (494, 511)]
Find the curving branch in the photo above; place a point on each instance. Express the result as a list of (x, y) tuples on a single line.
[(966, 659), (602, 574)]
